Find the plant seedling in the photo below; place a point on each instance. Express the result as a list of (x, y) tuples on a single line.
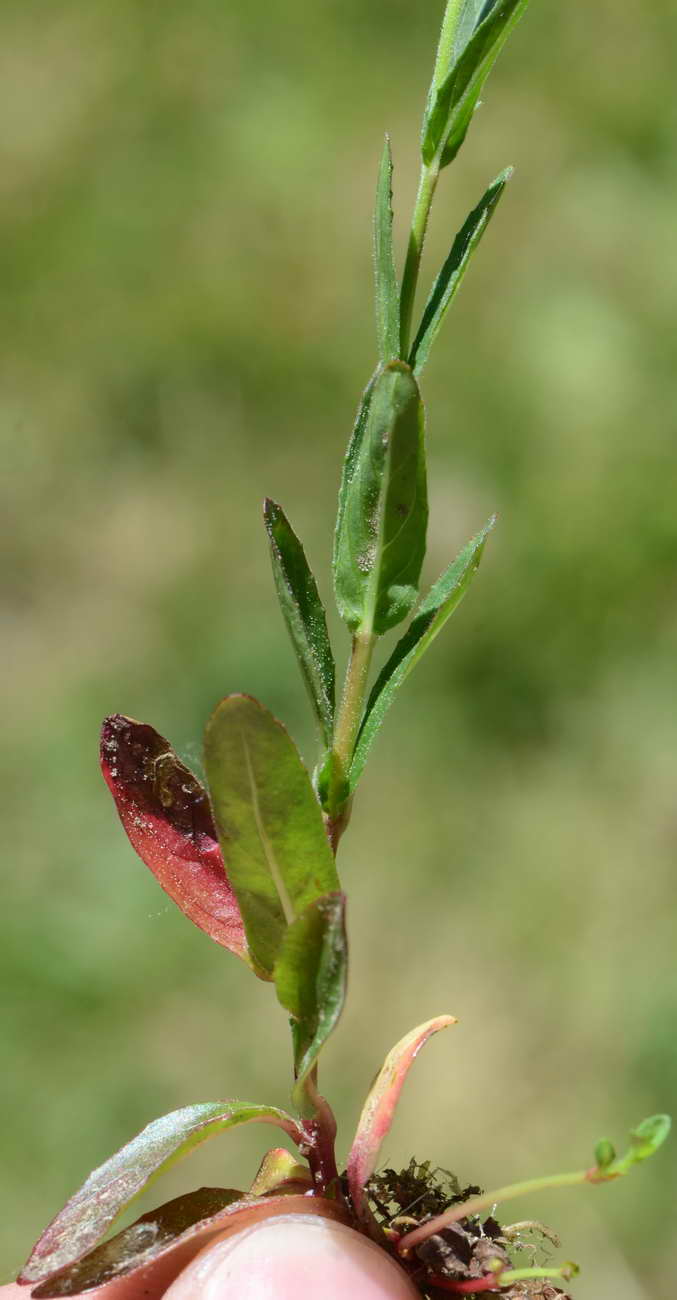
[(251, 859)]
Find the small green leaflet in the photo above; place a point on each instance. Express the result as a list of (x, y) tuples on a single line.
[(645, 1140), (310, 978), (387, 290), (451, 276), (304, 615), (269, 823), (439, 604), (383, 507), (451, 109), (114, 1185)]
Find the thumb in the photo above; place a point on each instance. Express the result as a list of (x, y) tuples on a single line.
[(293, 1257)]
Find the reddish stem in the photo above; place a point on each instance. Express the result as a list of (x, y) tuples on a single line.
[(491, 1282), (319, 1149)]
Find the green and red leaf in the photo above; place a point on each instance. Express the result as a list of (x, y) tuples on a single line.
[(166, 814), (378, 1113), (92, 1211)]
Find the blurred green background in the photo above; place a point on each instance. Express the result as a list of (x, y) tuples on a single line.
[(187, 323)]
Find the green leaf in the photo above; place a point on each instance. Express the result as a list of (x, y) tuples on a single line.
[(644, 1142), (387, 290), (451, 109), (114, 1185), (351, 461), (379, 1111), (310, 978), (605, 1154), (280, 1172), (471, 14), (383, 511), (451, 276), (438, 606), (304, 615), (269, 822)]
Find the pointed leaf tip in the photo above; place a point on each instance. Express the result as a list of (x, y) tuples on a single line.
[(442, 599), (378, 1113), (451, 276), (166, 815)]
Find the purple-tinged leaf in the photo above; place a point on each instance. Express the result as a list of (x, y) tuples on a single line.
[(166, 814), (378, 1112), (87, 1217)]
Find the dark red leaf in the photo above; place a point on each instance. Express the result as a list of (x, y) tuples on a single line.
[(166, 814)]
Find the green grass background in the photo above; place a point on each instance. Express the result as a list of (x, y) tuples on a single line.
[(186, 325)]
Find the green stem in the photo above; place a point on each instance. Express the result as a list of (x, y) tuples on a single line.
[(521, 1274), (419, 225), (345, 732), (477, 1204), (427, 183), (354, 695)]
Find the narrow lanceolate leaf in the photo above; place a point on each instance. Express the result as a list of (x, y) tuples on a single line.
[(269, 822), (451, 276), (183, 1224), (380, 541), (387, 291), (451, 109), (166, 814), (310, 978), (440, 603), (304, 615), (114, 1185), (379, 1110)]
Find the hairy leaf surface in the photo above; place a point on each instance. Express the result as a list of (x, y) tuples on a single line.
[(451, 276), (304, 615), (387, 290)]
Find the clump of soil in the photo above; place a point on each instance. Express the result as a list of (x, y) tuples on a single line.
[(403, 1199)]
